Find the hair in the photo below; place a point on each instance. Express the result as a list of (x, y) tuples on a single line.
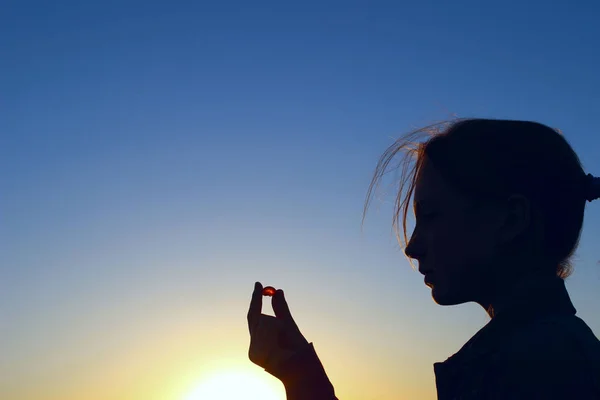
[(486, 158)]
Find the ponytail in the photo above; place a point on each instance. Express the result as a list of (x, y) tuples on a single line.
[(592, 189)]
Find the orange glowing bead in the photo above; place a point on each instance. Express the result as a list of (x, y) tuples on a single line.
[(268, 291)]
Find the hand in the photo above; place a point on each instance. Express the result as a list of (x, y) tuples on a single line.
[(273, 340)]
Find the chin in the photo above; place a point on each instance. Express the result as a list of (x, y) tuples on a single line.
[(446, 298)]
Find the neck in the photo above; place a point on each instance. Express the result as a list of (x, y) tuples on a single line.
[(529, 292)]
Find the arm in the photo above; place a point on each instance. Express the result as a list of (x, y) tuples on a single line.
[(304, 377)]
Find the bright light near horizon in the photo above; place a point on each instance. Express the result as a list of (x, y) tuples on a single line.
[(237, 384)]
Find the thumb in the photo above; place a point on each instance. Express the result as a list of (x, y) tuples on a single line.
[(280, 306)]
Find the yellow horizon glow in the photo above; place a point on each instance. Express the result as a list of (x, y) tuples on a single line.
[(236, 383)]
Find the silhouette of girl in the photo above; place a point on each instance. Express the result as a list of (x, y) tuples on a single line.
[(499, 207)]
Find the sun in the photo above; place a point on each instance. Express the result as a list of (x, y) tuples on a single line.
[(236, 384)]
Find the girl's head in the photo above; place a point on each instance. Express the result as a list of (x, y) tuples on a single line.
[(493, 200)]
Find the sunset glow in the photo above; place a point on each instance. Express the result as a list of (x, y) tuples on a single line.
[(236, 384)]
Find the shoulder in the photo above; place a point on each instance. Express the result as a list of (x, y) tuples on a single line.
[(554, 338), (550, 356)]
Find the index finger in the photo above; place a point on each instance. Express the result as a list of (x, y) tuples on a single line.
[(255, 306)]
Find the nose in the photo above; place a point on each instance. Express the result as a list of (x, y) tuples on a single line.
[(413, 250)]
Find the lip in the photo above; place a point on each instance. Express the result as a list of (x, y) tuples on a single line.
[(428, 280)]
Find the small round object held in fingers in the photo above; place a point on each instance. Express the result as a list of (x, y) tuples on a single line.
[(268, 291)]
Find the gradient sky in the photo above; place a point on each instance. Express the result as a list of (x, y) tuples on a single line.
[(157, 158)]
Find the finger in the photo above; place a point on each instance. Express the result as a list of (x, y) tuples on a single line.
[(263, 339), (280, 306), (255, 306)]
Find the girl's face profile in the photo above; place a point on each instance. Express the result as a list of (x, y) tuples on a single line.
[(453, 240)]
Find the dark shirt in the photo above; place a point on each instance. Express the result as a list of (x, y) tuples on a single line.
[(534, 347)]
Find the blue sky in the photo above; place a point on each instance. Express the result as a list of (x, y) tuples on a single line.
[(159, 157)]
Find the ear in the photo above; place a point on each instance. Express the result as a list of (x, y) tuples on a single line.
[(517, 218)]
